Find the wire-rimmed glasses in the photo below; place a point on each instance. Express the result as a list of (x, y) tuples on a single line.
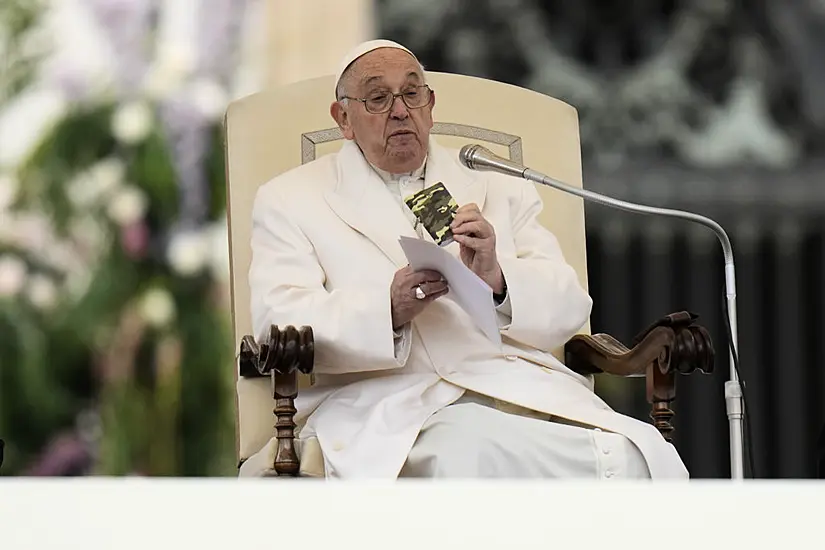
[(380, 102)]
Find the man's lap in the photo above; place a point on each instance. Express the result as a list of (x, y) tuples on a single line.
[(472, 438)]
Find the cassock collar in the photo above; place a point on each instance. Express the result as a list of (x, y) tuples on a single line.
[(393, 178)]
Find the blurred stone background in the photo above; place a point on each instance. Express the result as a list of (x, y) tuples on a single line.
[(115, 348), (708, 105)]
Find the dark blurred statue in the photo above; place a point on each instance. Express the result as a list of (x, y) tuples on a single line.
[(799, 28), (711, 83)]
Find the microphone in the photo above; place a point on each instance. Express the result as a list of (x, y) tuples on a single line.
[(477, 157)]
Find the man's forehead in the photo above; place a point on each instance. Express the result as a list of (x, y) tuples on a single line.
[(385, 63), (370, 78)]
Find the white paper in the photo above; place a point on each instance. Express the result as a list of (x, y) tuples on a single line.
[(467, 289)]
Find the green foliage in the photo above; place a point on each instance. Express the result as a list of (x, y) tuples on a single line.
[(151, 164), (33, 402), (164, 412), (74, 144), (18, 17)]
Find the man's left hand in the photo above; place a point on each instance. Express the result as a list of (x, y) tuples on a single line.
[(477, 241)]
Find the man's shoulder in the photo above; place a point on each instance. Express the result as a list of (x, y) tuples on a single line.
[(311, 178), (319, 172)]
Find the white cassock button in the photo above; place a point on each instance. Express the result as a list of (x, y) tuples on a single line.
[(606, 451), (608, 474), (510, 357), (337, 446), (597, 429)]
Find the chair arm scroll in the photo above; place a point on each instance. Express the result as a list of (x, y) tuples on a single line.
[(285, 352), (673, 344)]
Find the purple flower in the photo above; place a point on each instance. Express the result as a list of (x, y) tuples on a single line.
[(65, 456)]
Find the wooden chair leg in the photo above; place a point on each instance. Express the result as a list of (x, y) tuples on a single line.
[(661, 392), (285, 352), (285, 390)]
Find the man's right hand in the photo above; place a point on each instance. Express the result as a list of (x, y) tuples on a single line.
[(405, 305)]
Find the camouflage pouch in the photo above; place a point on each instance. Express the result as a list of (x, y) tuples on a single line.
[(434, 208)]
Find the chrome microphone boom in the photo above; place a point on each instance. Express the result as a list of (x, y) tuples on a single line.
[(477, 157)]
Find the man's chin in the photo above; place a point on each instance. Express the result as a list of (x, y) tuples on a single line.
[(405, 159)]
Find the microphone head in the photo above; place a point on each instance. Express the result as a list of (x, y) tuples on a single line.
[(473, 156), (478, 157), (467, 154)]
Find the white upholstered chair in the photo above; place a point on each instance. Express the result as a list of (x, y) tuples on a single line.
[(270, 132)]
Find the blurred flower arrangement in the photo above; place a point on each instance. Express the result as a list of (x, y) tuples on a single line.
[(116, 351)]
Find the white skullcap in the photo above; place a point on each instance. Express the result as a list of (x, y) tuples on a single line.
[(362, 49)]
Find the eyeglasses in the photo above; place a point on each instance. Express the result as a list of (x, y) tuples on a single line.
[(381, 102)]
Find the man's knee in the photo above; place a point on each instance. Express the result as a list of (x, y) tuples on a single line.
[(451, 445)]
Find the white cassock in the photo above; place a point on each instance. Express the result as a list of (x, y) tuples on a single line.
[(431, 400)]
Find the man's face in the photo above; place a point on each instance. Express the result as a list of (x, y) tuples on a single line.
[(395, 141)]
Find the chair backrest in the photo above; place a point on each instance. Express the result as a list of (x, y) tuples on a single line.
[(273, 131)]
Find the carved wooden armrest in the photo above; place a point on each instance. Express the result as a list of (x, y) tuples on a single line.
[(673, 344), (285, 352)]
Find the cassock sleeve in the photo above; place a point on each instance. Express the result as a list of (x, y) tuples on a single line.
[(547, 305), (352, 328), (504, 313)]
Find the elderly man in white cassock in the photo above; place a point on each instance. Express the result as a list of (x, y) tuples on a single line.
[(406, 384)]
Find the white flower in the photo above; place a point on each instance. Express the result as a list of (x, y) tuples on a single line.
[(132, 122), (31, 231), (160, 82), (127, 206), (157, 307), (78, 283), (64, 257), (8, 191), (36, 42), (89, 426), (81, 191), (88, 234), (90, 186), (169, 72), (25, 120), (42, 292), (80, 43), (209, 98), (12, 275), (109, 173), (188, 252)]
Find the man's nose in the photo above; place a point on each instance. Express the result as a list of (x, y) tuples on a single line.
[(399, 108)]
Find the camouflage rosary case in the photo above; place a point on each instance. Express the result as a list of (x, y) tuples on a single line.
[(434, 208)]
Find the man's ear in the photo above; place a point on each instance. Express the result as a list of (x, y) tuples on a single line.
[(430, 108), (341, 117)]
